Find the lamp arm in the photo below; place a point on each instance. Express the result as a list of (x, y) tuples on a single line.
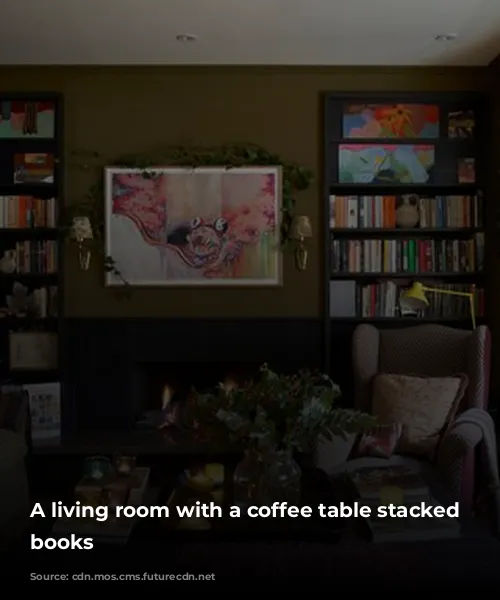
[(448, 292), (469, 295)]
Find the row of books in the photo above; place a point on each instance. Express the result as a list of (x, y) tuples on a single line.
[(17, 212), (439, 212), (351, 300), (34, 256), (407, 256)]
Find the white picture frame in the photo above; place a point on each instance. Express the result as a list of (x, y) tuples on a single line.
[(208, 226)]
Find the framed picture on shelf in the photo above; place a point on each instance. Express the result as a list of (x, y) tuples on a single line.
[(209, 226), (45, 411), (33, 351)]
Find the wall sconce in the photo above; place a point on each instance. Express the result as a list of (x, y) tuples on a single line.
[(301, 230), (81, 232)]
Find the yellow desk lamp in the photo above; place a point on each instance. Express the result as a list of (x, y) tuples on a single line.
[(414, 298)]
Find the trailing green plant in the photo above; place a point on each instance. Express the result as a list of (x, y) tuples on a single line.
[(294, 179), (276, 412)]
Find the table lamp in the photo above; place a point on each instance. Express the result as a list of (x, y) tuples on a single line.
[(414, 298)]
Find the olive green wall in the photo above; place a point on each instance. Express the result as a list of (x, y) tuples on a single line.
[(115, 111)]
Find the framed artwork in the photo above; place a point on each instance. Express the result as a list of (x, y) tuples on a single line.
[(209, 226), (33, 351), (386, 163), (369, 121), (24, 120), (45, 410)]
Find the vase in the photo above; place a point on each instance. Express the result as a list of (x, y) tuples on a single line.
[(247, 481), (281, 479), (407, 215)]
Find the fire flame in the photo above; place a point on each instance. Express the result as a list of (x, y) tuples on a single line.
[(167, 395), (229, 384)]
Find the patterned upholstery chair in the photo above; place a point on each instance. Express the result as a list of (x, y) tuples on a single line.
[(436, 351)]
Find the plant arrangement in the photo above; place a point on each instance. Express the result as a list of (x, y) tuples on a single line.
[(91, 205), (277, 412)]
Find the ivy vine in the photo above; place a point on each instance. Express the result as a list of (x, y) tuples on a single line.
[(295, 178)]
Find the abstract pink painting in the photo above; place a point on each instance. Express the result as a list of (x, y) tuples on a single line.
[(192, 227)]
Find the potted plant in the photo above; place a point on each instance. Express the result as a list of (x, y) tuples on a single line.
[(271, 418)]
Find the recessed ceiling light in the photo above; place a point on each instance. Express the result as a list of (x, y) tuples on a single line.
[(446, 37), (185, 37)]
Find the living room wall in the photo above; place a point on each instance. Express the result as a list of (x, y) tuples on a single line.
[(118, 110)]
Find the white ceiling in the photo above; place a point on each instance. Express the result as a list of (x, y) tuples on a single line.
[(249, 32)]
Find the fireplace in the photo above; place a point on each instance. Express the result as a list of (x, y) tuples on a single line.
[(115, 369), (160, 389)]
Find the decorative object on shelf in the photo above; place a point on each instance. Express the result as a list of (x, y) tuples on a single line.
[(407, 214), (20, 302), (301, 230), (8, 262), (414, 299), (33, 351), (97, 467), (81, 232), (295, 178), (45, 412), (124, 465), (194, 227), (275, 413)]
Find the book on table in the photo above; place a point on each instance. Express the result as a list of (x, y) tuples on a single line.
[(375, 484), (400, 486), (411, 529)]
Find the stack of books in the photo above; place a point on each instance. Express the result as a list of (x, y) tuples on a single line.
[(115, 490), (400, 486)]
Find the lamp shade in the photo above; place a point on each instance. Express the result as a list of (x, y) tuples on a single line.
[(301, 228), (414, 298), (81, 229)]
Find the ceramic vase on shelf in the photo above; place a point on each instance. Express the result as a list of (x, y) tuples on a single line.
[(407, 215), (281, 480)]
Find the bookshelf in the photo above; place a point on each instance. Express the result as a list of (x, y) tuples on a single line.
[(30, 257), (405, 198)]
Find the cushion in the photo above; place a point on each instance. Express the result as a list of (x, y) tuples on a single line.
[(424, 406), (380, 441)]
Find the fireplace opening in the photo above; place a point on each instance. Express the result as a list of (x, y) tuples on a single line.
[(162, 388)]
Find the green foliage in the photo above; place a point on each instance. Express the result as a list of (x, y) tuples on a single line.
[(277, 411), (91, 205)]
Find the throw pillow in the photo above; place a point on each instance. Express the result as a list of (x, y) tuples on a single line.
[(380, 441), (424, 406)]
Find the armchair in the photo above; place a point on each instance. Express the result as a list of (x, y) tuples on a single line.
[(437, 351)]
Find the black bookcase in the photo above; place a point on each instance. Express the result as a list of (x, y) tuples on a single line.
[(31, 188), (425, 151)]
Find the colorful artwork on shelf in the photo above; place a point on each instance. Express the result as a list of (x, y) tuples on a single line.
[(466, 170), (461, 124), (386, 163), (184, 227), (369, 121), (34, 168), (20, 119)]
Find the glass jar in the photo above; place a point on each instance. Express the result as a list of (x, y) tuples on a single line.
[(247, 480), (281, 479)]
